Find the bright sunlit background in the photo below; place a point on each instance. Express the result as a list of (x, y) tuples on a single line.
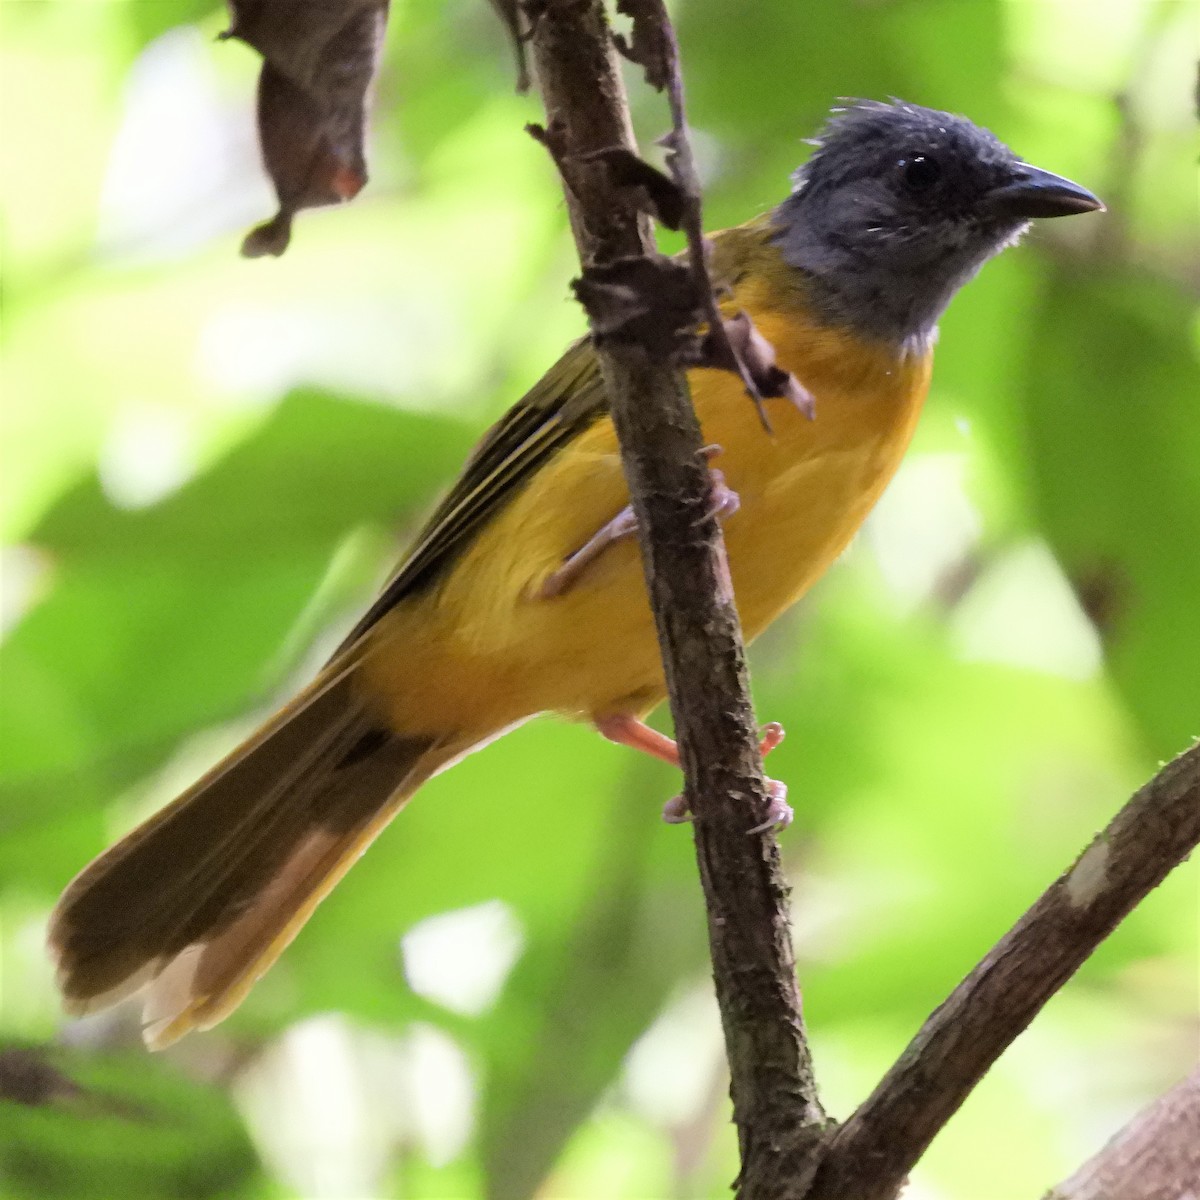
[(210, 462)]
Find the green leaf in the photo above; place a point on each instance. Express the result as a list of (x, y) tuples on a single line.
[(165, 619)]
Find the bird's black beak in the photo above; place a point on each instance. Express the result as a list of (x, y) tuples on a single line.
[(1033, 192)]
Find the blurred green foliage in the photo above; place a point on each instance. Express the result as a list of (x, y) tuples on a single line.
[(118, 1126), (209, 464)]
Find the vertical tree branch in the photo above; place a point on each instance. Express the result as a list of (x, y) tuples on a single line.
[(775, 1105)]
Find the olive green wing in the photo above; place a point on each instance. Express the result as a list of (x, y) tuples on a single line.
[(561, 405)]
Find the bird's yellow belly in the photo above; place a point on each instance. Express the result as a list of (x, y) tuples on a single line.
[(484, 651)]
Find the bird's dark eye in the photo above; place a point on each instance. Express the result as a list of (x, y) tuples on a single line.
[(920, 172)]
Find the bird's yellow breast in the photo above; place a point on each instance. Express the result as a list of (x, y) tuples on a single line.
[(482, 651)]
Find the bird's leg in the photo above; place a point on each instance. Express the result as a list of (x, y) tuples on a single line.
[(724, 503), (622, 526), (627, 730)]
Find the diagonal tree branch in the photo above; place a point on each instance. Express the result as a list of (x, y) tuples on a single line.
[(1155, 1157), (870, 1155), (775, 1105)]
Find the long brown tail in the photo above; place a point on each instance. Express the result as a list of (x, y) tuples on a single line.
[(196, 903)]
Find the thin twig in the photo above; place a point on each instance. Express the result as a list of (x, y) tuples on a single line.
[(656, 49), (682, 165)]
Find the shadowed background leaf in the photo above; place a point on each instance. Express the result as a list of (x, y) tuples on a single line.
[(118, 1126)]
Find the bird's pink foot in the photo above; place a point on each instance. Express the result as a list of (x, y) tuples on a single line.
[(676, 811), (627, 730), (723, 501), (779, 811)]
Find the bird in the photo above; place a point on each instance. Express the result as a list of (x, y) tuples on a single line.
[(523, 594)]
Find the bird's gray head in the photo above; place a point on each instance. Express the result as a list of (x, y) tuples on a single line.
[(899, 206)]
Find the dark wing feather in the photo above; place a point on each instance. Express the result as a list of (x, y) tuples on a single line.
[(564, 402)]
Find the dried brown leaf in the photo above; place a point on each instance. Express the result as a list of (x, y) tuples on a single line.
[(320, 57)]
